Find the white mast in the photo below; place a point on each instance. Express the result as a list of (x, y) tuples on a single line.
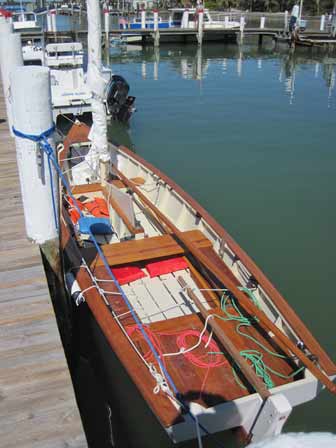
[(98, 154), (96, 81)]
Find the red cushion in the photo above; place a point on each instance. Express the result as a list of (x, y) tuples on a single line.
[(166, 266), (128, 274)]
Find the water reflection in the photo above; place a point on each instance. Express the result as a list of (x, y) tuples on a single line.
[(193, 63)]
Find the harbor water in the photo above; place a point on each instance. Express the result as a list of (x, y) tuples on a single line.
[(250, 133)]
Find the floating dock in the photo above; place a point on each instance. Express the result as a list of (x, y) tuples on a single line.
[(37, 403)]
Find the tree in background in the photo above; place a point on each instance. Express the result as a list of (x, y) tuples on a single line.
[(271, 5)]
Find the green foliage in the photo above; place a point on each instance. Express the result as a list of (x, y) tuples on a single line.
[(310, 7)]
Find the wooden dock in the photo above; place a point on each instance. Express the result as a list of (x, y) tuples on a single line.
[(178, 35), (37, 403)]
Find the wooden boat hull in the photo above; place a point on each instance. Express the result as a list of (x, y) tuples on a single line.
[(216, 414)]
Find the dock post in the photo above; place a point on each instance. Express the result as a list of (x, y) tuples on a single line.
[(32, 114), (200, 15), (262, 22), (241, 29), (49, 23), (107, 28), (5, 26), (322, 22), (226, 22), (286, 21), (156, 28), (53, 23), (10, 58), (143, 19)]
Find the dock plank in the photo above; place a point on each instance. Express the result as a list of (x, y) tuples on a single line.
[(37, 403)]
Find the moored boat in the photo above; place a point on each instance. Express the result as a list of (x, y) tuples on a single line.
[(187, 18), (179, 314), (190, 336), (25, 21)]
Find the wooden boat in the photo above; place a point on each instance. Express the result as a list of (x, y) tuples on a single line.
[(192, 337)]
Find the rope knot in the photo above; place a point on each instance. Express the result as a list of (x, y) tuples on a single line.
[(161, 383), (42, 140)]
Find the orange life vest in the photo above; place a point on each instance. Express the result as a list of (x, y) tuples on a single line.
[(97, 207)]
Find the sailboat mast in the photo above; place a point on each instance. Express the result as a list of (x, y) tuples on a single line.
[(96, 81)]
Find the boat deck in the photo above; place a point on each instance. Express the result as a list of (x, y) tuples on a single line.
[(37, 404)]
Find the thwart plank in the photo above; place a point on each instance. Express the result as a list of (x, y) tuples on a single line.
[(37, 403)]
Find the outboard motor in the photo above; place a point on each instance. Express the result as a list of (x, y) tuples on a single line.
[(118, 104)]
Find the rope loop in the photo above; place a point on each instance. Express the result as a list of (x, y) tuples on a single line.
[(35, 138), (42, 139), (161, 383)]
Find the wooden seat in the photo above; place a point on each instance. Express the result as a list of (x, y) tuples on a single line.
[(144, 249)]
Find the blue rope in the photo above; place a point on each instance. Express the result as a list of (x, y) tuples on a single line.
[(42, 139)]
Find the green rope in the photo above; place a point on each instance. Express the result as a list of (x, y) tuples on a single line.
[(254, 357)]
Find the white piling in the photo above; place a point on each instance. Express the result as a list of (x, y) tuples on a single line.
[(322, 22), (32, 114), (242, 24), (156, 28), (185, 20), (226, 22), (5, 26), (143, 19), (53, 21), (106, 13), (262, 22), (286, 21), (241, 28), (156, 19), (49, 22), (106, 21), (10, 58), (200, 26)]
